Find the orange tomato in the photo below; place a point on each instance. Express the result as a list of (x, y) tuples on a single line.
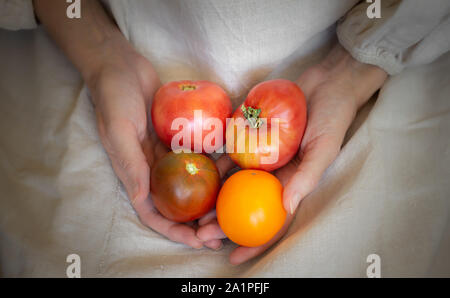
[(249, 207)]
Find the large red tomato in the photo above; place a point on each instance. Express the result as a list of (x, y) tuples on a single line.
[(268, 105), (184, 186), (180, 100)]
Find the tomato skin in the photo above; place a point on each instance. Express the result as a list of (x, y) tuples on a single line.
[(180, 195), (171, 102), (249, 207), (281, 99)]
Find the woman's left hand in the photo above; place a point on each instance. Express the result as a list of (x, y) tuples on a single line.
[(334, 89)]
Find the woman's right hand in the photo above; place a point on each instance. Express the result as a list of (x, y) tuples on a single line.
[(121, 90)]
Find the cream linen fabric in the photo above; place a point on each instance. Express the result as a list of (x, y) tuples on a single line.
[(235, 43), (387, 193)]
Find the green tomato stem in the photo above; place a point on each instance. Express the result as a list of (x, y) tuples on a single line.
[(188, 87), (252, 115), (191, 168)]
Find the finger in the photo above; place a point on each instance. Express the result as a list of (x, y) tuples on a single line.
[(215, 244), (128, 159), (207, 218), (184, 234), (174, 231), (242, 254), (224, 164), (210, 231), (317, 157)]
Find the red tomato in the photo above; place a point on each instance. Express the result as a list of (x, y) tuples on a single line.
[(266, 102), (184, 186), (250, 208), (179, 100)]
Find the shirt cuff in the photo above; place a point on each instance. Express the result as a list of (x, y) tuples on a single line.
[(408, 33)]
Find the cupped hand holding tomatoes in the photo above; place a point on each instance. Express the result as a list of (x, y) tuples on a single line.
[(121, 92), (188, 106), (184, 186), (268, 106), (337, 86)]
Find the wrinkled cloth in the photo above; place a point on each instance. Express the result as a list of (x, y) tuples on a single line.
[(386, 194), (408, 33)]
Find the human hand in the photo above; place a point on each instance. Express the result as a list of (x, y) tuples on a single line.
[(122, 91), (122, 84), (335, 89)]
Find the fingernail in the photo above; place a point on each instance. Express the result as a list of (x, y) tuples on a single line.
[(200, 246), (220, 247), (196, 237), (294, 203), (135, 193), (133, 201)]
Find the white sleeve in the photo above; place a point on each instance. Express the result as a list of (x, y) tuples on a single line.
[(410, 32), (17, 14)]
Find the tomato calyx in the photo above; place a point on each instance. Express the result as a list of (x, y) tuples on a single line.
[(188, 87), (191, 168), (252, 115)]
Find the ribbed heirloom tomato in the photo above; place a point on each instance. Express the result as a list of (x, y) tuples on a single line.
[(184, 186), (249, 207), (201, 109), (268, 102)]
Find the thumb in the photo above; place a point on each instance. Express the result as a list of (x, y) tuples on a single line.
[(316, 158), (128, 160)]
